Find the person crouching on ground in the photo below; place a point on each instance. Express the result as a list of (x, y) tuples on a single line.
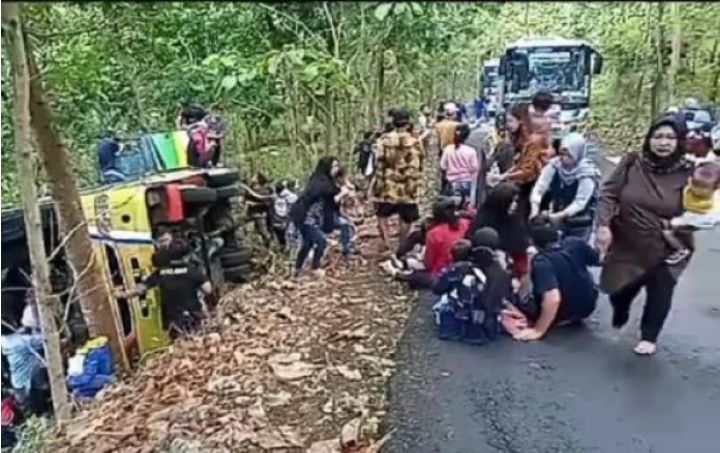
[(446, 228), (499, 211), (564, 291), (570, 182), (314, 212)]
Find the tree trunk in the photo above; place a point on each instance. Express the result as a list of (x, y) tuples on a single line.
[(47, 302), (658, 82), (675, 56), (98, 304), (381, 84)]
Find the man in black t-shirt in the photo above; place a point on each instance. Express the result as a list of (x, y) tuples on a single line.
[(563, 288), (179, 283)]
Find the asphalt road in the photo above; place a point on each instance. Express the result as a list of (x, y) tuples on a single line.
[(581, 389)]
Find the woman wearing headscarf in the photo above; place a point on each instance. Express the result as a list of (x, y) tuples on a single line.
[(643, 192), (315, 210), (569, 183), (499, 212)]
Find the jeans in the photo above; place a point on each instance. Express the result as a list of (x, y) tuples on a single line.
[(347, 231), (312, 238), (462, 189)]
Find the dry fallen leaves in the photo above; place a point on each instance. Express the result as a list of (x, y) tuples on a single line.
[(281, 365)]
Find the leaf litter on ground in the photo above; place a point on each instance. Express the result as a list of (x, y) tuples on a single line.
[(280, 366)]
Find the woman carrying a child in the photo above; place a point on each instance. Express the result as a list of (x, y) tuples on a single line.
[(642, 195)]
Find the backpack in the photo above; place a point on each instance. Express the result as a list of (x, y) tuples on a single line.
[(199, 146), (461, 313)]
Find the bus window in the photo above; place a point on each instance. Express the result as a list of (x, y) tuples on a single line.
[(118, 282), (137, 277)]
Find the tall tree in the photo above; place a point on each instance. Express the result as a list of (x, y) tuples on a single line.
[(98, 306), (47, 302)]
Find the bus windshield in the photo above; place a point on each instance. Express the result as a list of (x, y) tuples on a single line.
[(560, 70)]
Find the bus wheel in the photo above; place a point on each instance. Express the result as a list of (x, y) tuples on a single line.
[(234, 259), (237, 274), (198, 195)]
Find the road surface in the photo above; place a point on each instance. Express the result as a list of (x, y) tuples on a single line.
[(579, 390)]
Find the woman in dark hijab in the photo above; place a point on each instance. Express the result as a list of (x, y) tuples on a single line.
[(499, 212), (314, 211), (642, 193)]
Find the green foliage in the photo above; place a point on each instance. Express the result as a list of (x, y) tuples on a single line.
[(301, 79)]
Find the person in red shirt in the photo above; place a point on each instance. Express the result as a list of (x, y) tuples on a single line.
[(443, 231)]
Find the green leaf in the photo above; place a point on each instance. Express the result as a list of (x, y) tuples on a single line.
[(382, 11), (229, 82), (416, 8)]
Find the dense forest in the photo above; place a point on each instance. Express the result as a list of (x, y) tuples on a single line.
[(297, 80)]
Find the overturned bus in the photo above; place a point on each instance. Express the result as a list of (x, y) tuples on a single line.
[(564, 67), (124, 219)]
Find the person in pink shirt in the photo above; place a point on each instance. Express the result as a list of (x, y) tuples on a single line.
[(461, 165)]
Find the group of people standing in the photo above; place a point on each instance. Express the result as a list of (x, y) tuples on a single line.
[(530, 207)]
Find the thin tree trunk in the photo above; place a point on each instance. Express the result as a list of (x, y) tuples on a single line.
[(97, 303), (676, 49), (47, 302), (658, 82), (381, 84)]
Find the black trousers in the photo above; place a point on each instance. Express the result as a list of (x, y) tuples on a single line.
[(659, 287), (416, 237)]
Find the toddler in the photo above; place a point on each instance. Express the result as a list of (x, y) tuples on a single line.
[(701, 211)]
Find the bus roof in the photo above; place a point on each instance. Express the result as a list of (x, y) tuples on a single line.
[(548, 41)]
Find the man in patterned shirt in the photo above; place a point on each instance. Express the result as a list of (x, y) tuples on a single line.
[(396, 184)]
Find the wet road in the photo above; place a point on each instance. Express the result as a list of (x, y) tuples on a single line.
[(579, 390)]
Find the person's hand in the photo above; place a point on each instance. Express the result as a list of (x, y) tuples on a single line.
[(528, 335), (603, 239), (678, 222)]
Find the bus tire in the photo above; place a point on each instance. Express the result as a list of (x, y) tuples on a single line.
[(237, 274), (228, 191), (198, 195), (235, 259), (223, 179)]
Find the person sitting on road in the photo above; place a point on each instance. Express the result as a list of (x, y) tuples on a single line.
[(444, 230), (701, 211), (563, 289), (570, 185), (460, 164)]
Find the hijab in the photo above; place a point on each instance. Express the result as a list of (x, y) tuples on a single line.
[(665, 164), (582, 166)]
